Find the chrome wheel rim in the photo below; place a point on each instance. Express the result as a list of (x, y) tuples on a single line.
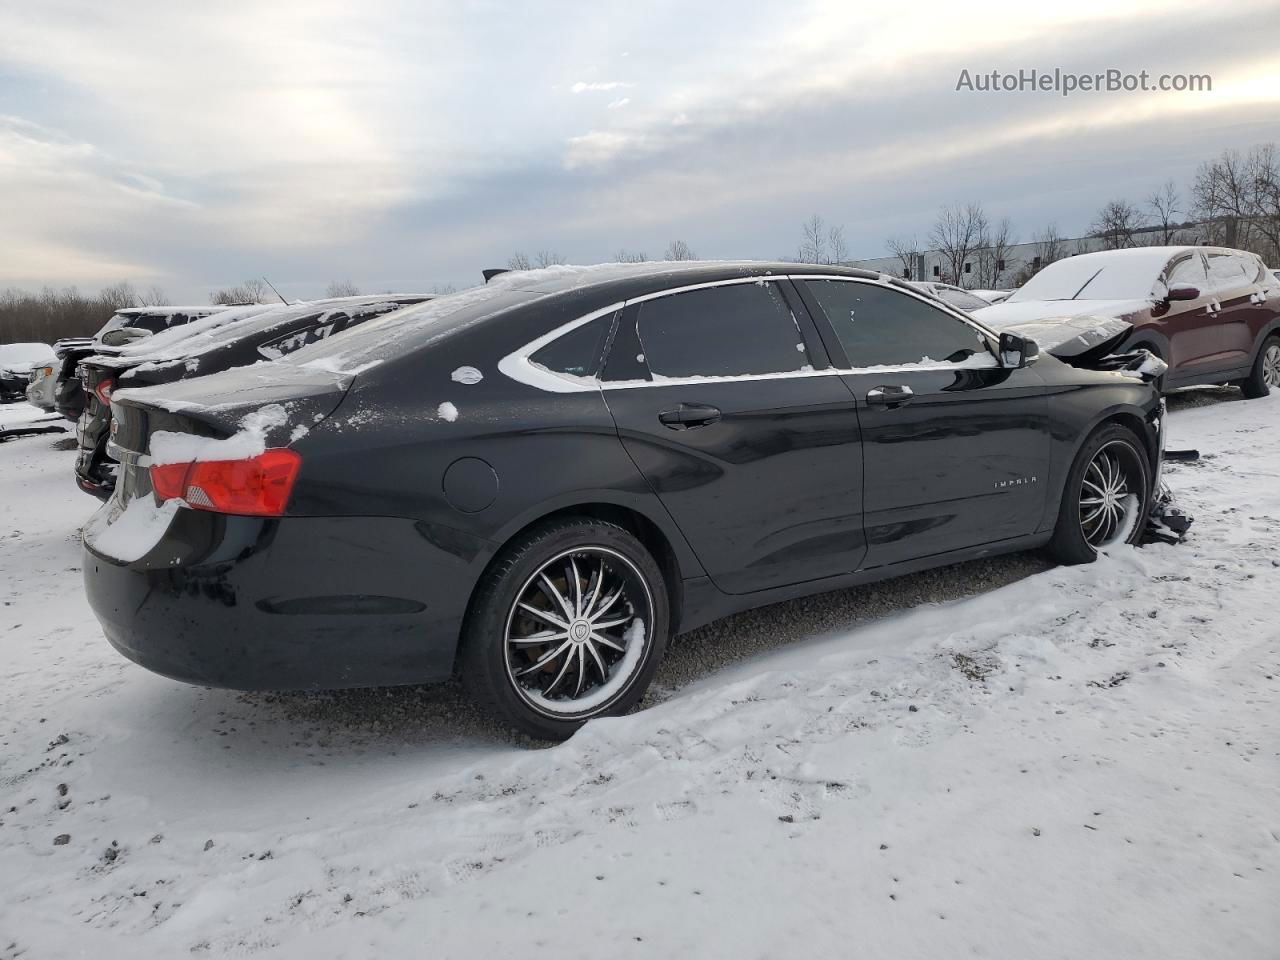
[(578, 632), (1271, 366), (1111, 494)]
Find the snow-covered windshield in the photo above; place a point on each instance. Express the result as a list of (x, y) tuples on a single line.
[(1107, 275)]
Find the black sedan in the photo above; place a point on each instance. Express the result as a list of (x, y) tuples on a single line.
[(537, 482), (234, 338)]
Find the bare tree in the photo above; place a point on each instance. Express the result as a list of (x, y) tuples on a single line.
[(679, 250), (1116, 224), (1239, 194), (1164, 206), (813, 245), (518, 261), (51, 314), (118, 295), (547, 258), (443, 289), (253, 290), (629, 256), (956, 234), (341, 288), (839, 250), (907, 250), (993, 255)]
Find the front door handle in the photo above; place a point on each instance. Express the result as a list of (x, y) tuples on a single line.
[(890, 396), (686, 415)]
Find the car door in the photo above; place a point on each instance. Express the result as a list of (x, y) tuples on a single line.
[(1233, 282), (725, 401), (1190, 326), (955, 447)]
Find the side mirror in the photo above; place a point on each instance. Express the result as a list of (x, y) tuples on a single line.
[(1183, 291), (122, 335), (1017, 352)]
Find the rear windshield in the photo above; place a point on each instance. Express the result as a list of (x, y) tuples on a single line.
[(151, 322), (389, 336)]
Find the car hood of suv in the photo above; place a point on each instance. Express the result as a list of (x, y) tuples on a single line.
[(1000, 315)]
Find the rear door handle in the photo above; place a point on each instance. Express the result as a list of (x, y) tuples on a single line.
[(889, 396), (685, 415)]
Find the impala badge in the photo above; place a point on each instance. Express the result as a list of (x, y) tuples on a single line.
[(1015, 482)]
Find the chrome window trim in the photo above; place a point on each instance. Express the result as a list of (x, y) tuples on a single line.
[(519, 367)]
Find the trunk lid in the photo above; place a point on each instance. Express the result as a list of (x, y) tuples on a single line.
[(226, 416)]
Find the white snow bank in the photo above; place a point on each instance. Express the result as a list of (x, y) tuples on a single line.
[(1080, 764)]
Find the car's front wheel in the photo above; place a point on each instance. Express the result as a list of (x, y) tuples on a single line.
[(568, 624), (1265, 375), (1106, 497)]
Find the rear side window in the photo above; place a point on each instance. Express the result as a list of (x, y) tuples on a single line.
[(879, 326), (577, 353), (1227, 270), (733, 330)]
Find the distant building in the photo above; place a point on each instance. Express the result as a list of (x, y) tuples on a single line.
[(1021, 260)]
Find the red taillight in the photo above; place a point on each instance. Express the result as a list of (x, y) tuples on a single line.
[(259, 486), (103, 390)]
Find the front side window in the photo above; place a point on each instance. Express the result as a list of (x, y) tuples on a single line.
[(1189, 270), (880, 326), (734, 330)]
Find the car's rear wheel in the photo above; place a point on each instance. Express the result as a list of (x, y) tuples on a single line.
[(1265, 375), (1106, 497), (568, 624)]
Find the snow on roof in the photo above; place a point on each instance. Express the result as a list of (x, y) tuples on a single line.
[(24, 356), (167, 310)]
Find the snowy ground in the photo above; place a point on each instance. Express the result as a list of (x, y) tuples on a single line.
[(1079, 763)]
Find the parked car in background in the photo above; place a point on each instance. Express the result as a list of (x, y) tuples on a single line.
[(17, 360), (1211, 313), (233, 338), (41, 382), (992, 296), (126, 325), (948, 293), (538, 481)]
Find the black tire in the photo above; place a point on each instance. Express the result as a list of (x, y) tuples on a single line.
[(499, 639), (1266, 370), (1079, 535)]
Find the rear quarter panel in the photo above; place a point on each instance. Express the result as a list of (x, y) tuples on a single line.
[(474, 462)]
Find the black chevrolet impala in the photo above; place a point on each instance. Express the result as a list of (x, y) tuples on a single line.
[(536, 483)]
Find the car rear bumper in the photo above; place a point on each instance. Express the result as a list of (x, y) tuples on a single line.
[(292, 603)]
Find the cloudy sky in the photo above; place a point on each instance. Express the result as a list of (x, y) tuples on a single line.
[(408, 144)]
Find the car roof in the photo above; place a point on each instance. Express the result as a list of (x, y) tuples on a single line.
[(634, 279), (577, 289)]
